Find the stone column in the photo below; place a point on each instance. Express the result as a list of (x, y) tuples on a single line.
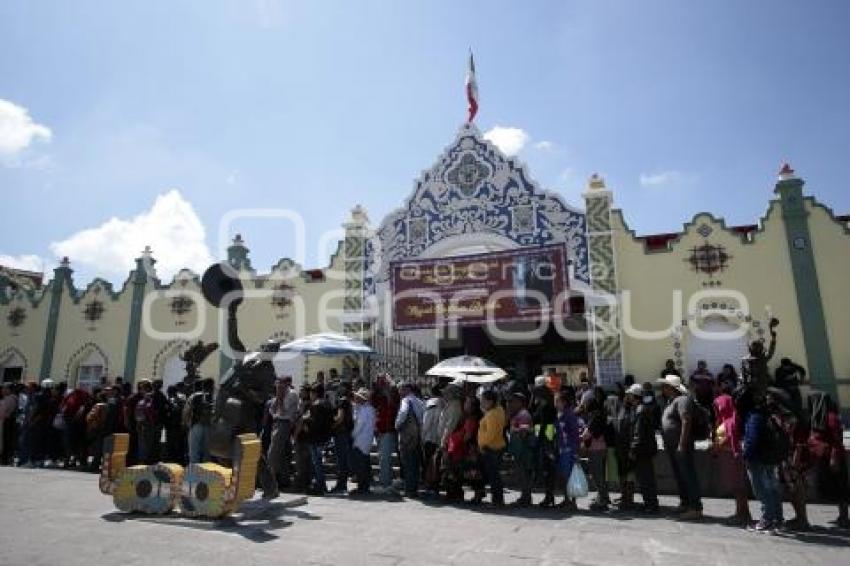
[(789, 187), (139, 278), (605, 318), (354, 322), (61, 279)]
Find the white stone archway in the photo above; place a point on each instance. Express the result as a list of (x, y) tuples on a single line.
[(720, 341)]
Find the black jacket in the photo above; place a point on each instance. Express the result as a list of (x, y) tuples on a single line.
[(643, 435)]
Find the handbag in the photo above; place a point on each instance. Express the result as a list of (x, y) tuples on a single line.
[(577, 484)]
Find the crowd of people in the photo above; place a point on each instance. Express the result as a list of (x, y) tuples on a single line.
[(453, 437)]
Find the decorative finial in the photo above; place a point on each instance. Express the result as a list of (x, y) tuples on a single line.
[(359, 215), (147, 252), (238, 241), (65, 263), (596, 181), (786, 173)]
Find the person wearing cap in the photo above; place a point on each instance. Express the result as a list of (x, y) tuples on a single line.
[(431, 441), (362, 435), (643, 446), (676, 422)]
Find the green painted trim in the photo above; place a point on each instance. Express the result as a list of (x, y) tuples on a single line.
[(134, 330), (804, 270), (61, 276)]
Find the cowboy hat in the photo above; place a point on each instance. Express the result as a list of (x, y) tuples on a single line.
[(635, 389), (673, 381), (363, 394)]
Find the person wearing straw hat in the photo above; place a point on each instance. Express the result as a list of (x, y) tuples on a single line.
[(676, 423)]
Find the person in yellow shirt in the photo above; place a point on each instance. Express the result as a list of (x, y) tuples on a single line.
[(491, 444)]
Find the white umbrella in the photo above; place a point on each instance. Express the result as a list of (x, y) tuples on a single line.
[(470, 368), (327, 344)]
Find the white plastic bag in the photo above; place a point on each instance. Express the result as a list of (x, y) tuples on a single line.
[(577, 484)]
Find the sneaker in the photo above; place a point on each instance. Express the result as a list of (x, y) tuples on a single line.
[(761, 526), (691, 515)]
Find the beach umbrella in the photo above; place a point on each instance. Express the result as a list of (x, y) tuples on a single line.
[(469, 368), (327, 344)]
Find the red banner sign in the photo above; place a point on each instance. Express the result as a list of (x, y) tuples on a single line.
[(523, 284)]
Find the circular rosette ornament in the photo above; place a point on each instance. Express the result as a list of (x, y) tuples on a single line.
[(148, 489), (204, 490)]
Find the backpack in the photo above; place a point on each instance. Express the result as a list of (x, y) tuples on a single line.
[(700, 421), (775, 445), (410, 431)]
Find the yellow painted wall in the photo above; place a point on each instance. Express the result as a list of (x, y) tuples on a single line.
[(74, 333), (28, 339), (760, 270)]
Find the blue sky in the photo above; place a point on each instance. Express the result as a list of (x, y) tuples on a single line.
[(316, 106)]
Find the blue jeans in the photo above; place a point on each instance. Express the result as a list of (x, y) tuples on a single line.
[(316, 455), (386, 446), (342, 450), (766, 487), (198, 449)]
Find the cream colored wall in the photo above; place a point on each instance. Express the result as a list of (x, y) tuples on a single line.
[(258, 319), (28, 338), (163, 334), (831, 247), (74, 332), (759, 270)]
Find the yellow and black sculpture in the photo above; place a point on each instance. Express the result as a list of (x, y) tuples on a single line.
[(207, 490), (200, 490)]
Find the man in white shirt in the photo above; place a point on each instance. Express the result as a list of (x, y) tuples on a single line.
[(283, 411)]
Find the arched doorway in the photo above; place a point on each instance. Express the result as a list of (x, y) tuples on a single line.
[(91, 371), (719, 342), (12, 366)]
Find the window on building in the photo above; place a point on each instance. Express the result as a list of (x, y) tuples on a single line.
[(91, 371)]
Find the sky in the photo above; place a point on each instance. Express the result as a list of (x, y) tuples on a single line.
[(125, 124)]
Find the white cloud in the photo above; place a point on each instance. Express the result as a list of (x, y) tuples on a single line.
[(509, 139), (545, 145), (662, 178), (27, 262), (171, 228), (18, 130)]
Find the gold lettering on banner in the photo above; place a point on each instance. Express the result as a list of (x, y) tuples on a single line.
[(467, 308)]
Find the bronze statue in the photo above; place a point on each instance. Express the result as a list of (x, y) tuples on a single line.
[(754, 367), (194, 356), (246, 386)]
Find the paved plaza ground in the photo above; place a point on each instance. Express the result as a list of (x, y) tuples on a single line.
[(53, 517)]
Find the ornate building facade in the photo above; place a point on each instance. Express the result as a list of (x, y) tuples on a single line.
[(636, 300)]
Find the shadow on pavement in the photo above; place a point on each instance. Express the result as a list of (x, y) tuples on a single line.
[(255, 520)]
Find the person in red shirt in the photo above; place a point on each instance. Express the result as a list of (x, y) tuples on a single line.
[(74, 407), (386, 403), (827, 447)]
